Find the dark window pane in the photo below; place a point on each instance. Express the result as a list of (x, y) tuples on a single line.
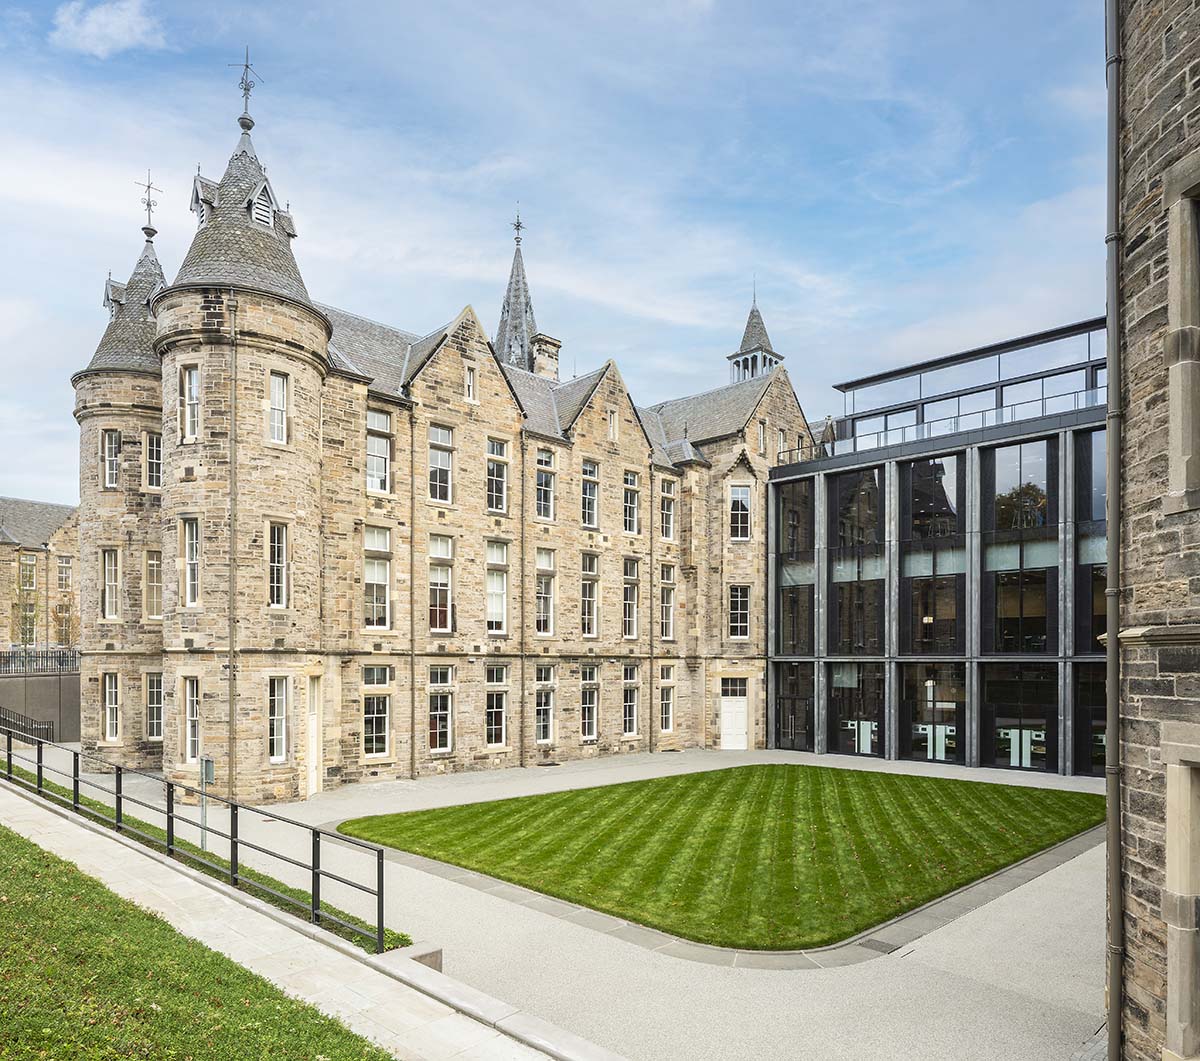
[(794, 700), (856, 708), (797, 525), (1090, 717), (1090, 487), (933, 712), (1020, 716), (796, 621)]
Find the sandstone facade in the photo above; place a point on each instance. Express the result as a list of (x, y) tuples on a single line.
[(378, 551)]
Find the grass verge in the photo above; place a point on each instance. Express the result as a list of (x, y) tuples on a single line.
[(770, 857), (193, 856), (85, 974)]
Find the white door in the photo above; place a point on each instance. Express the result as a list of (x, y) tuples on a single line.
[(734, 714), (314, 735)]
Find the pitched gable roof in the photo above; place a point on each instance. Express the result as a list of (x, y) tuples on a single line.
[(31, 523), (713, 414)]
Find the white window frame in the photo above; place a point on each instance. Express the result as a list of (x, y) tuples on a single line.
[(191, 714), (27, 573), (666, 698), (666, 510), (496, 685), (666, 600), (544, 483), (543, 709), (189, 403), (278, 566), (189, 529), (736, 492), (589, 595), (379, 452), (589, 494), (371, 736), (496, 476), (631, 503), (110, 584), (441, 685), (441, 448), (630, 594), (630, 698), (496, 588), (469, 384), (65, 573), (153, 588), (153, 686), (441, 596), (762, 437), (110, 455), (739, 617), (112, 706), (544, 577), (278, 386), (154, 461), (589, 689), (277, 712), (614, 426)]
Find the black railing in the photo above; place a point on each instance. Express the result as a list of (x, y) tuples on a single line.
[(26, 727), (39, 661), (233, 870)]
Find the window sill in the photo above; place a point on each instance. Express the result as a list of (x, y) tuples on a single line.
[(496, 749), (382, 759), (449, 506), (383, 495), (155, 740), (271, 443), (441, 753), (497, 635), (630, 736), (589, 742), (151, 489)]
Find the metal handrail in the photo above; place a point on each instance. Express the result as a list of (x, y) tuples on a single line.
[(39, 661), (173, 849)]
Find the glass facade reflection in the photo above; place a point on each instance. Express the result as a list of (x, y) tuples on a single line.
[(856, 699), (856, 563), (939, 595), (933, 712)]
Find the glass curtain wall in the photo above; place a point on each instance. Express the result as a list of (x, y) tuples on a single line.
[(796, 527), (1020, 716), (1091, 573), (933, 558), (1020, 548), (856, 708), (1089, 719), (933, 712), (794, 701), (857, 563)]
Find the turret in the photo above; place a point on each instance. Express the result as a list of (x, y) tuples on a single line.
[(244, 355), (118, 405), (755, 357)]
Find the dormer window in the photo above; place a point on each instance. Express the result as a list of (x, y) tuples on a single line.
[(262, 210)]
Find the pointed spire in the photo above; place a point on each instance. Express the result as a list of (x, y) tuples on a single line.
[(755, 336), (517, 327)]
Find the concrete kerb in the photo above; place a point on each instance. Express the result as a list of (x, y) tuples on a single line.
[(417, 966), (885, 938)]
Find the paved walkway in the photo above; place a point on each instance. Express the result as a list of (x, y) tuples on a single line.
[(1018, 979), (398, 1018)]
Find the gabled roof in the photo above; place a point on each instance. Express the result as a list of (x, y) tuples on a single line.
[(536, 395), (755, 336), (515, 332), (31, 523), (127, 344), (713, 414), (230, 248)]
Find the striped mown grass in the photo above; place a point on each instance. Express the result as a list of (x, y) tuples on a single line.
[(772, 857)]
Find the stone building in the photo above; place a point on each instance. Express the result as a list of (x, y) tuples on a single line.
[(39, 584), (1159, 301), (322, 549)]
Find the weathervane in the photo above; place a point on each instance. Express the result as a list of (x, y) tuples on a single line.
[(246, 84), (518, 224), (149, 204)]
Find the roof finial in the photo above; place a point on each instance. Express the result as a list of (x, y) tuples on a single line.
[(246, 84), (518, 224), (754, 289), (149, 203)]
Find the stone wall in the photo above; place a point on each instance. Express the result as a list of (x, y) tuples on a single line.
[(1160, 578)]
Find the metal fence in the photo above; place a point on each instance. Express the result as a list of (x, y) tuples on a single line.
[(232, 871), (27, 728), (39, 661)]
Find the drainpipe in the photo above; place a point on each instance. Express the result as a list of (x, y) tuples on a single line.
[(412, 600), (1112, 650), (653, 710), (521, 585), (233, 567)]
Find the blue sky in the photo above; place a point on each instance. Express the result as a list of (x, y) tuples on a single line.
[(904, 179)]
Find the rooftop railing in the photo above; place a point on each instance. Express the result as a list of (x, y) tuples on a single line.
[(950, 425), (39, 661)]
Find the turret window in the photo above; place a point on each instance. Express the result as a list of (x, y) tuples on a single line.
[(110, 451), (278, 414), (154, 467), (277, 566), (262, 210), (110, 591), (190, 533), (189, 403)]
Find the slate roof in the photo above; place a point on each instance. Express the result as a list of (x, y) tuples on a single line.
[(388, 357), (515, 332), (31, 523), (755, 336), (713, 414), (229, 248), (128, 342)]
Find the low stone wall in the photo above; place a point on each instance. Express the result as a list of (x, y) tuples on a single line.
[(45, 698)]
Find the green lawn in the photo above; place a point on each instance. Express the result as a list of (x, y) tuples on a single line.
[(772, 857), (85, 974)]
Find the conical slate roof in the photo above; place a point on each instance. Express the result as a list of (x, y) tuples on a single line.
[(230, 249), (515, 332), (755, 336), (128, 341)]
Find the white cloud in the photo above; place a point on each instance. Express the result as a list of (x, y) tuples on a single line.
[(105, 29)]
